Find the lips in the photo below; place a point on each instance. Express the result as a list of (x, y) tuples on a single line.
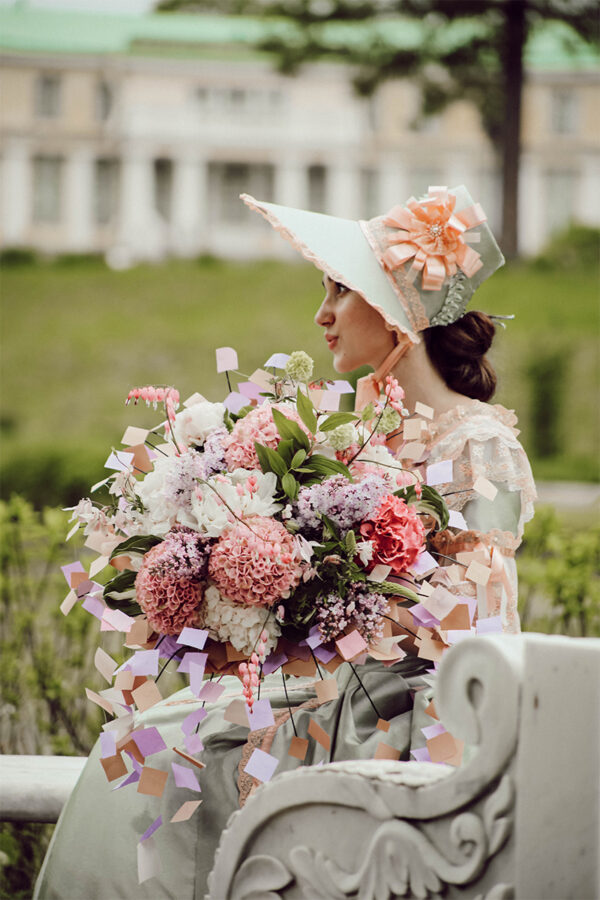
[(331, 340)]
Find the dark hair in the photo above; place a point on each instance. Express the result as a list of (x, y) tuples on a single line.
[(458, 353)]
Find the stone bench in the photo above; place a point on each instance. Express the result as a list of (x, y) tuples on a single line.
[(520, 819)]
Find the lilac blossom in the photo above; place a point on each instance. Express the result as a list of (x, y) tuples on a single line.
[(347, 504), (213, 456), (360, 608), (181, 478)]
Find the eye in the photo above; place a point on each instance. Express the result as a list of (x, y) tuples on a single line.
[(340, 288)]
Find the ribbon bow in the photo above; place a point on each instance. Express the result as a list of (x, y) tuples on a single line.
[(433, 235)]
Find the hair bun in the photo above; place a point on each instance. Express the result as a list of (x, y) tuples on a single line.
[(458, 353)]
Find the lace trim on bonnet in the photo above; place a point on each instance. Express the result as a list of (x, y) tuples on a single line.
[(482, 440)]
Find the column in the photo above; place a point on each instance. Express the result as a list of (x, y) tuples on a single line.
[(79, 200), (587, 209), (343, 189), (189, 206), (532, 227), (393, 182), (141, 233), (17, 190), (291, 187)]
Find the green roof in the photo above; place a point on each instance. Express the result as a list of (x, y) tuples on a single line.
[(31, 30)]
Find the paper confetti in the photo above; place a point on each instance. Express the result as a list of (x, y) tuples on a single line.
[(384, 751), (148, 741), (152, 781), (186, 811), (485, 488), (150, 831), (261, 715), (326, 689), (146, 695), (261, 765), (185, 778), (478, 573), (227, 359), (148, 860), (351, 645), (298, 748), (113, 766), (422, 410), (439, 472), (320, 736), (277, 360)]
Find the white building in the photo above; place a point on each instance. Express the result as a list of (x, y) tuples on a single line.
[(134, 135)]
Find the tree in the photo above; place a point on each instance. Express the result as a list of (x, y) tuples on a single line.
[(483, 62)]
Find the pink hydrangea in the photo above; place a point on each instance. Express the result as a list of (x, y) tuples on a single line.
[(397, 534), (170, 583), (257, 425), (256, 563)]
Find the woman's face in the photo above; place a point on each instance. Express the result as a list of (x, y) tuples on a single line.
[(355, 332)]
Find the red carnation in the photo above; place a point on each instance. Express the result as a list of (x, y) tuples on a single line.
[(396, 533)]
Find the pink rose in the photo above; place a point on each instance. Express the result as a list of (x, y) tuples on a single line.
[(396, 533)]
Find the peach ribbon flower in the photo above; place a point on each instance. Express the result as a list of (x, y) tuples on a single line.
[(433, 235)]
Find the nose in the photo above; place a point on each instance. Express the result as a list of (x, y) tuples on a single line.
[(324, 315)]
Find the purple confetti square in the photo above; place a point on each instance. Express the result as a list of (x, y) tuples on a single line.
[(198, 659), (422, 616), (211, 691), (273, 662), (193, 743), (131, 779), (185, 778), (421, 754), (324, 654), (94, 606), (431, 731), (190, 722), (261, 765), (148, 741), (489, 625), (144, 662), (167, 647), (261, 715), (150, 831), (108, 744), (193, 637), (70, 569)]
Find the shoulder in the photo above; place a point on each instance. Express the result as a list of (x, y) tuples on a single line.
[(471, 421)]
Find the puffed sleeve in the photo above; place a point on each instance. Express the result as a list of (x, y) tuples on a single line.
[(481, 441)]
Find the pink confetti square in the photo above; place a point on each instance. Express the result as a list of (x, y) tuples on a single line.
[(351, 645)]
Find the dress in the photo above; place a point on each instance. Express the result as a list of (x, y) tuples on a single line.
[(93, 851)]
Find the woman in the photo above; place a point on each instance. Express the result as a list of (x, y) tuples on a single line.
[(386, 281)]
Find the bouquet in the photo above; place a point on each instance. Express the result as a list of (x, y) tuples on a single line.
[(267, 533)]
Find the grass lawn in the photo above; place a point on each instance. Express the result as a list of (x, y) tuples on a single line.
[(77, 336)]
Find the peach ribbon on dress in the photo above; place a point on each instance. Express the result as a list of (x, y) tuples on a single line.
[(369, 387)]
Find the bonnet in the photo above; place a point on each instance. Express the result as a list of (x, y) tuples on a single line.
[(417, 265)]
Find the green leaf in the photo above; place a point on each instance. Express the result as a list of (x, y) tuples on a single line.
[(306, 411), (119, 593), (273, 460), (329, 525), (290, 485), (263, 458), (336, 419), (139, 544), (290, 430), (298, 458), (351, 542), (286, 450), (322, 465), (431, 503)]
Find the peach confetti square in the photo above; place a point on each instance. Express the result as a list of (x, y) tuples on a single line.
[(320, 736), (68, 603), (478, 573), (444, 747), (113, 766), (327, 689), (431, 711), (298, 748), (351, 645), (152, 781), (77, 578), (485, 488), (186, 811), (384, 751), (383, 725), (146, 695), (423, 410), (412, 429)]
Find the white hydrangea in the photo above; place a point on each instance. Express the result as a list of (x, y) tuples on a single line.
[(390, 468), (342, 437), (241, 625), (194, 423), (161, 511), (223, 494)]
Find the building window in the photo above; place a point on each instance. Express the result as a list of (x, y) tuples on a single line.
[(561, 186), (563, 116), (103, 101), (47, 96), (317, 188), (239, 103), (47, 188), (163, 187), (106, 190), (228, 180)]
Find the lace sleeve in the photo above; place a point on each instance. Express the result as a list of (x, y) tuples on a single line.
[(481, 440)]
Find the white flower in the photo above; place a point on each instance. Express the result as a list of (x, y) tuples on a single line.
[(194, 423), (162, 509), (299, 366), (364, 550), (241, 625), (223, 497)]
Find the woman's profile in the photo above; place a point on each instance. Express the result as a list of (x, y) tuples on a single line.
[(396, 290)]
